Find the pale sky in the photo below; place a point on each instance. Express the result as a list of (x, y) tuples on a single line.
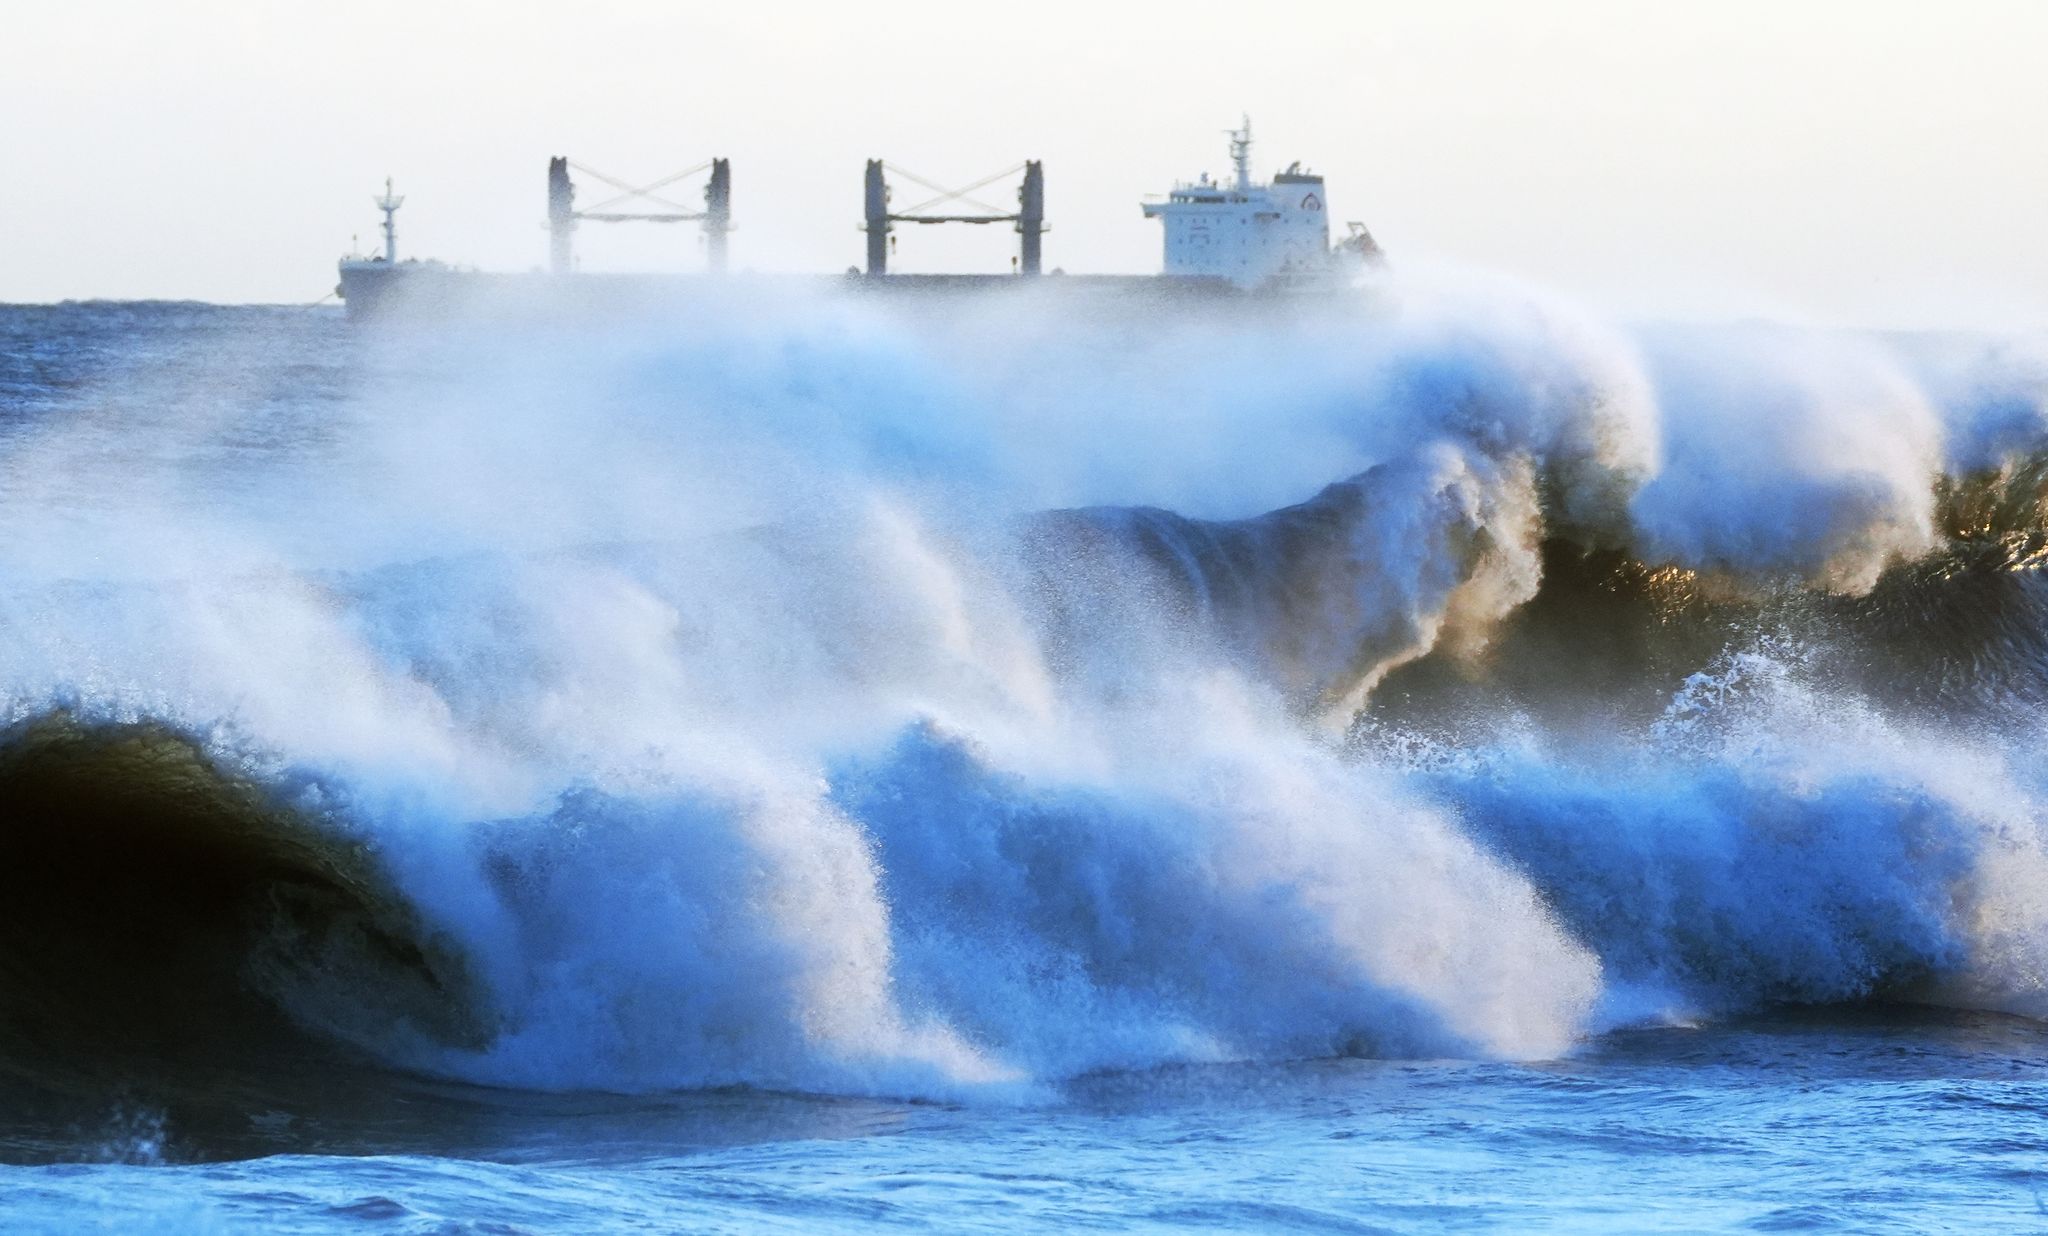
[(1872, 162)]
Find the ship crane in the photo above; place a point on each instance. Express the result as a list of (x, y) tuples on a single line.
[(1029, 216), (716, 217)]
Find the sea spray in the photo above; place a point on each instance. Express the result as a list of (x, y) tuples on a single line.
[(806, 695)]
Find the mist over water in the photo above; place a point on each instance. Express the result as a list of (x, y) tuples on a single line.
[(956, 700)]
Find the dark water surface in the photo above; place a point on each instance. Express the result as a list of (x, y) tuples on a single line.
[(1885, 1120)]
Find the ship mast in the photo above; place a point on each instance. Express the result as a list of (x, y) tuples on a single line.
[(389, 204), (1241, 154)]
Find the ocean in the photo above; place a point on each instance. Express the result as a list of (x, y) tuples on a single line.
[(1429, 760)]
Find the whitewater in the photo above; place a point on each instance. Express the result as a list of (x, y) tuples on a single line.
[(1431, 758)]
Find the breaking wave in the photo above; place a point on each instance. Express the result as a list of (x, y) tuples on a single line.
[(826, 697)]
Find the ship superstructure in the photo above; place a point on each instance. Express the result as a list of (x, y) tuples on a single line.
[(1250, 234)]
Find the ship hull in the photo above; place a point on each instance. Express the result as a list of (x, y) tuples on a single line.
[(376, 291)]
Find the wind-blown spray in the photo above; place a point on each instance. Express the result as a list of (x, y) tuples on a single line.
[(804, 695)]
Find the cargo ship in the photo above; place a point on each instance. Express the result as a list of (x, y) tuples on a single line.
[(1220, 239)]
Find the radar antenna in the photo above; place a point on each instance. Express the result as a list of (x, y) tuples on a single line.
[(1241, 153), (389, 204)]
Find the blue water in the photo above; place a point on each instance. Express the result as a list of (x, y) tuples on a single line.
[(1438, 762), (1892, 1121)]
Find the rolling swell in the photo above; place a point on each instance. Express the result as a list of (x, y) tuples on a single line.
[(1437, 603), (1782, 776), (166, 918), (1608, 640), (1322, 598)]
